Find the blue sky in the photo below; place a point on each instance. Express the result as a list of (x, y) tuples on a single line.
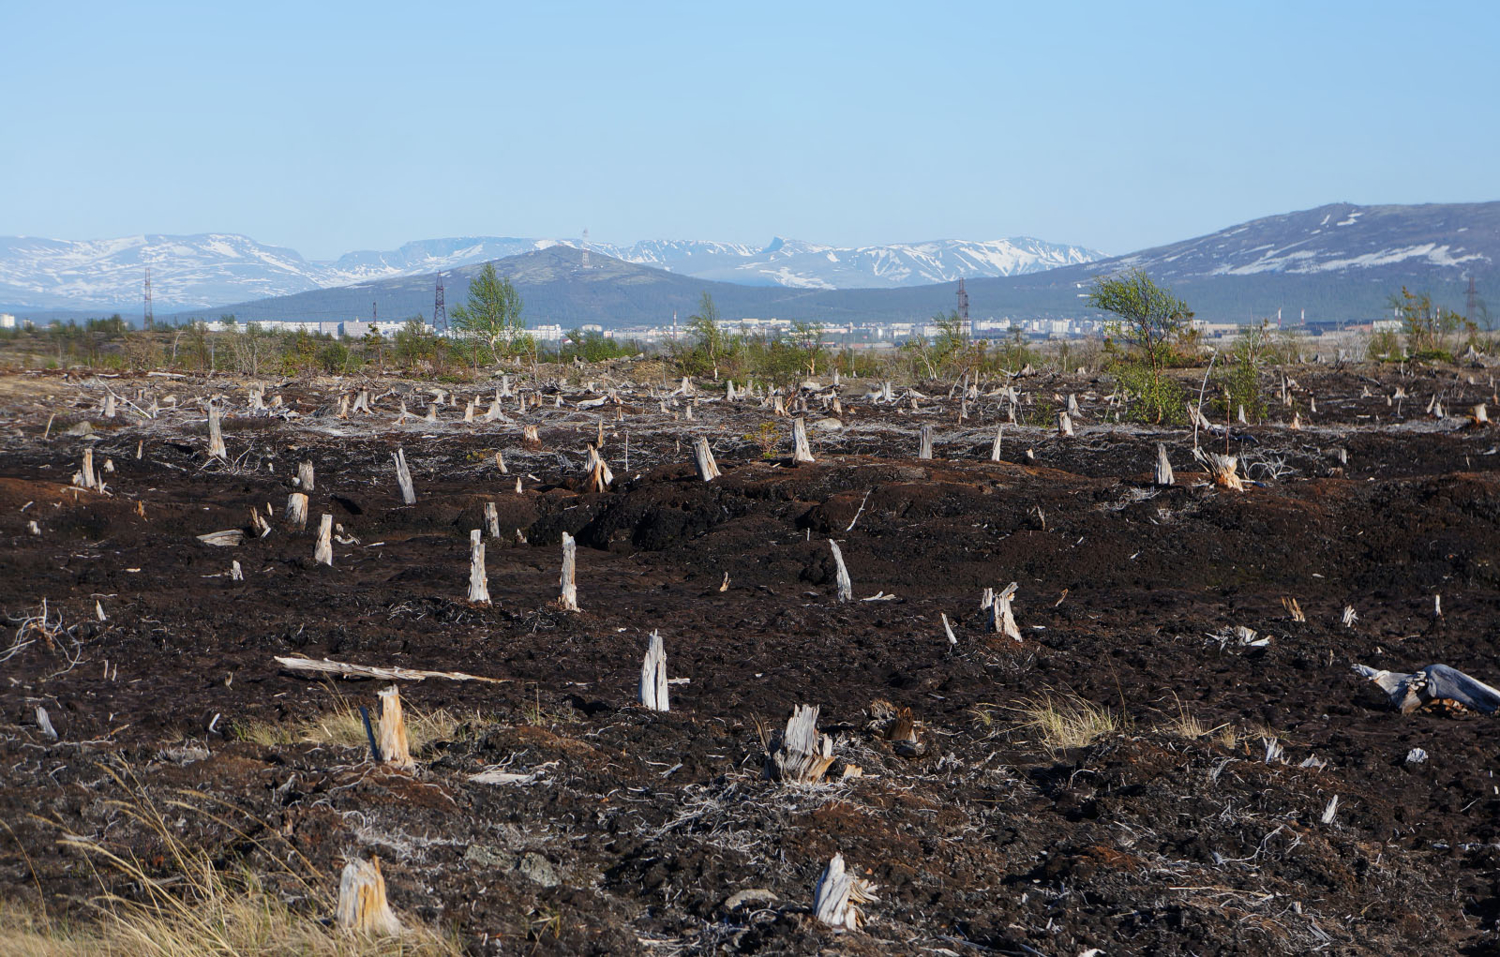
[(328, 127)]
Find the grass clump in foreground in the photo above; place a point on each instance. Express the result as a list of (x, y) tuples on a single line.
[(188, 907), (1069, 721)]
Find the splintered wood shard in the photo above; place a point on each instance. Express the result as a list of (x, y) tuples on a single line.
[(801, 452), (568, 600), (362, 906), (323, 552), (708, 469), (296, 510), (531, 438), (831, 901), (1002, 618), (394, 746), (800, 755), (952, 638), (653, 689), (216, 448), (1223, 468), (500, 464), (845, 587), (1163, 466), (995, 449), (479, 586), (925, 450), (305, 476), (403, 477)]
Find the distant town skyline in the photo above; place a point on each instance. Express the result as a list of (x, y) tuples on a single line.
[(337, 127)]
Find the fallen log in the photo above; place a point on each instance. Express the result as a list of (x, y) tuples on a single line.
[(391, 673), (1408, 692)]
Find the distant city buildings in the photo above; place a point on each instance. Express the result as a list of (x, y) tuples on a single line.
[(7, 321)]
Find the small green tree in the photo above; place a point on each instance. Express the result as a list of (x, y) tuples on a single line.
[(1427, 326), (1151, 318), (493, 312), (703, 326)]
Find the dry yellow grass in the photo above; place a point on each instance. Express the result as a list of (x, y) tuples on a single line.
[(1068, 721), (343, 727), (193, 909)]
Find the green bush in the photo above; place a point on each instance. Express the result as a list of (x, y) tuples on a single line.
[(1153, 397)]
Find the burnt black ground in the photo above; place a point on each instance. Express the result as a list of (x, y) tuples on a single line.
[(640, 826)]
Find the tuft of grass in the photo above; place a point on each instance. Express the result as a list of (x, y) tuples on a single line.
[(1187, 725), (186, 906), (1069, 721), (343, 727)]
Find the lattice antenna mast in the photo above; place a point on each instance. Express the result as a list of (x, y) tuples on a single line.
[(439, 309), (148, 319), (585, 248)]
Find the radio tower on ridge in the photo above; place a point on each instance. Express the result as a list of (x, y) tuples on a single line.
[(963, 307), (585, 248), (439, 309), (148, 320)]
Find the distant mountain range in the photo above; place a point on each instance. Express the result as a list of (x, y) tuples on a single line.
[(1337, 263), (217, 268)]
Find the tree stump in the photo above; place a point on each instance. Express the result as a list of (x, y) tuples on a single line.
[(801, 451), (479, 586), (296, 510), (708, 469), (492, 519), (305, 476), (395, 748), (995, 448), (362, 906), (1002, 618), (800, 755), (1163, 475), (653, 689), (845, 587), (925, 451), (568, 599), (216, 448), (403, 477), (323, 551)]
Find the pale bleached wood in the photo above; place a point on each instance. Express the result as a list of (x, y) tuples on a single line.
[(1223, 469), (500, 464), (492, 519), (323, 551), (403, 477), (469, 411), (227, 538), (995, 448), (296, 510), (1064, 424), (1002, 617), (1163, 474), (479, 585), (801, 451), (948, 628), (305, 477), (362, 906), (708, 469), (392, 673), (925, 449), (653, 688), (362, 402), (259, 524), (841, 573), (109, 405), (215, 434), (531, 438), (1481, 414), (800, 755), (568, 599), (395, 748)]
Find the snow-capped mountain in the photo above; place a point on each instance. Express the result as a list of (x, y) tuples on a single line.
[(211, 269)]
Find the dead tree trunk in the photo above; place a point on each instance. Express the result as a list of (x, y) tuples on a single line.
[(995, 449), (846, 589), (305, 476), (925, 451), (568, 600), (323, 552), (492, 519), (215, 436), (362, 907), (394, 746), (653, 690), (403, 477), (801, 452), (479, 586), (800, 755), (296, 510), (1163, 466), (708, 469)]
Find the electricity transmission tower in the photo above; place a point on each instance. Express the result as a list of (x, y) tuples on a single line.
[(439, 309)]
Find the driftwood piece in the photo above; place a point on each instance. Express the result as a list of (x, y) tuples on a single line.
[(323, 550), (362, 906), (1408, 692), (708, 469), (228, 538), (653, 688), (296, 510), (800, 755), (1163, 475), (392, 673), (395, 748), (305, 476), (479, 586), (801, 451), (845, 587), (403, 477), (568, 599)]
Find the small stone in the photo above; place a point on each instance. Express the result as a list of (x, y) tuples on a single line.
[(537, 869)]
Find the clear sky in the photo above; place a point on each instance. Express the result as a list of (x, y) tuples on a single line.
[(329, 127)]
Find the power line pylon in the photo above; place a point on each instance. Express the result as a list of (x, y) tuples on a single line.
[(439, 309)]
